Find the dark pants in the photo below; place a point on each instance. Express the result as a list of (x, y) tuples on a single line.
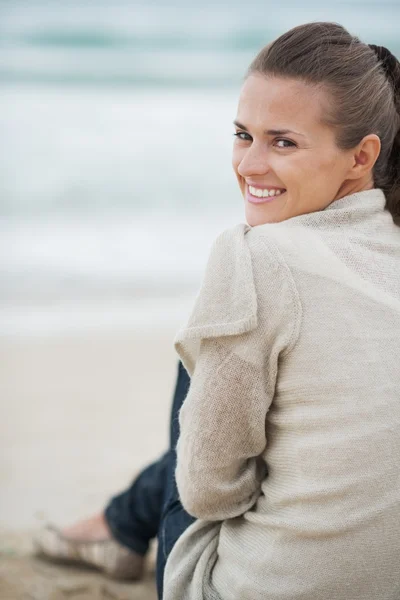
[(151, 507)]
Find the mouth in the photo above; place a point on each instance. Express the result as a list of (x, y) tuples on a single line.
[(258, 195)]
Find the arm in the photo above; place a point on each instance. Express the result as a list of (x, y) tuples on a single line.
[(220, 469)]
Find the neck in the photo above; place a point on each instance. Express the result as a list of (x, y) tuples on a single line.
[(353, 186)]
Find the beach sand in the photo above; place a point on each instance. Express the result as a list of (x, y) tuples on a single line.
[(81, 415)]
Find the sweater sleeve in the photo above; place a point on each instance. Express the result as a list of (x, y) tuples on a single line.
[(244, 318)]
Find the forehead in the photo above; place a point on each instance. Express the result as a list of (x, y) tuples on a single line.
[(273, 103)]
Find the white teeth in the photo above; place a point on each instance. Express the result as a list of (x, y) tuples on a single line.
[(265, 193)]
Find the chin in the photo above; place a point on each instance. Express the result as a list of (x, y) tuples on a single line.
[(255, 217)]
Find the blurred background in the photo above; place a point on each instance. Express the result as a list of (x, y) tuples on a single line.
[(115, 177)]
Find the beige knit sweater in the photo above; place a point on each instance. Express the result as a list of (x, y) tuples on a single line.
[(293, 348)]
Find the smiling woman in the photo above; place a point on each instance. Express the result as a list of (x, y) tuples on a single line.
[(286, 144), (338, 106), (287, 454)]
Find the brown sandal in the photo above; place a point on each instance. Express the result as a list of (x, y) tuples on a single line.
[(108, 555)]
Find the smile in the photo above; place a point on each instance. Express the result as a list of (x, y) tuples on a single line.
[(265, 192), (262, 195)]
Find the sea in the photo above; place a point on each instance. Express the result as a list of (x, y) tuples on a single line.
[(115, 149)]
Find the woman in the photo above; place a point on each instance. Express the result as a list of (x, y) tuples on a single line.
[(289, 446), (287, 460)]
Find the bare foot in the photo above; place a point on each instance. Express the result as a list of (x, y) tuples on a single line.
[(94, 529)]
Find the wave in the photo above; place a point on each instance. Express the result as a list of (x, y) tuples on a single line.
[(143, 44), (105, 61), (125, 80), (235, 41)]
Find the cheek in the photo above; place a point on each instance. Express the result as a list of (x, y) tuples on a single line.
[(307, 172), (290, 171), (324, 163)]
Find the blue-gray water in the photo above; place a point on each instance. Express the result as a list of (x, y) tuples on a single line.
[(163, 44), (115, 125)]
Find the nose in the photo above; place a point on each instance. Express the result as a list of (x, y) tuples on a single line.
[(254, 161)]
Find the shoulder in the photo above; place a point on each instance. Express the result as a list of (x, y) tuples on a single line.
[(259, 253), (245, 288), (265, 268), (226, 302), (240, 244), (242, 261), (247, 263)]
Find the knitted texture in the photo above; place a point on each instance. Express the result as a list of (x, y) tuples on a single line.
[(289, 450)]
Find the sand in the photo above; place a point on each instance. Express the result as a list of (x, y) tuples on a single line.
[(80, 416)]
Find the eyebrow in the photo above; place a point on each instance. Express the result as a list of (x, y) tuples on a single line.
[(270, 131)]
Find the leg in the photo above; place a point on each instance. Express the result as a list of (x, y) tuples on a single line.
[(174, 518), (134, 515)]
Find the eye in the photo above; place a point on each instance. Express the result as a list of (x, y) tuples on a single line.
[(243, 135), (284, 143)]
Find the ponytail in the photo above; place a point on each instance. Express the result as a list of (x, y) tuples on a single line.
[(391, 181), (393, 192)]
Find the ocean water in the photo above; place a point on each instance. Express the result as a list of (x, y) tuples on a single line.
[(116, 134)]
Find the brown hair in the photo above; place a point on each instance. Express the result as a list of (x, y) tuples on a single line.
[(363, 81)]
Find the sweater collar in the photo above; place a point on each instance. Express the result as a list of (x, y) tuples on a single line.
[(367, 201), (347, 210)]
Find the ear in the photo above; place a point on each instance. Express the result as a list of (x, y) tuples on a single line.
[(365, 155)]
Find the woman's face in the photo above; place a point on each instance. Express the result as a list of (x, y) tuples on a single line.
[(283, 149)]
